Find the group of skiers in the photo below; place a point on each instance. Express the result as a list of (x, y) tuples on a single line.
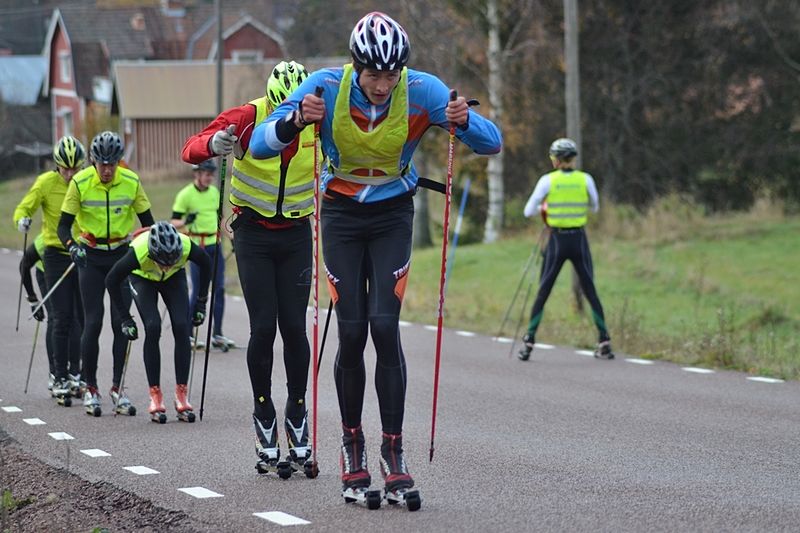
[(365, 120)]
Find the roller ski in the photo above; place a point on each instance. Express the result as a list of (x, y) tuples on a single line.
[(158, 413), (269, 451), (182, 405), (76, 386), (122, 405), (299, 449), (60, 392), (91, 401), (603, 350), (397, 480), (527, 347), (201, 344), (221, 342), (355, 476)]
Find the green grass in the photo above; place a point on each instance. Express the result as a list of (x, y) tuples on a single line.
[(675, 284)]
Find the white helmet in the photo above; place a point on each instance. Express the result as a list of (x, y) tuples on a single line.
[(378, 42), (564, 148)]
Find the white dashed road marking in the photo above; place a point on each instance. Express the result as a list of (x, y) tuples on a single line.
[(587, 353), (766, 380), (12, 409), (200, 492), (34, 421), (504, 340), (465, 333), (544, 346), (282, 519), (405, 324), (430, 328), (696, 370), (94, 452), (639, 361), (140, 470), (60, 435)]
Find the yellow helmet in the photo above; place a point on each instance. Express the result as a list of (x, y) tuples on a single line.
[(69, 152), (285, 78)]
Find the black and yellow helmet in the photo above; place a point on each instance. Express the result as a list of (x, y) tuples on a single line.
[(284, 79), (69, 152)]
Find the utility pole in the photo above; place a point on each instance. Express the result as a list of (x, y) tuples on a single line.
[(220, 55)]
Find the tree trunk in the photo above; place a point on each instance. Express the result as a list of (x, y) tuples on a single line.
[(494, 167), (421, 237)]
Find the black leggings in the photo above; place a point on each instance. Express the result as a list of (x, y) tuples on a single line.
[(93, 288), (67, 313), (174, 292), (275, 274), (367, 251), (568, 245)]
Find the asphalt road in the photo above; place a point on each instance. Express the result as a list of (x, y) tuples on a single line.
[(563, 442)]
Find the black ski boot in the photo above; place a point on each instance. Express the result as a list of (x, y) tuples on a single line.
[(397, 480), (299, 448), (527, 347), (268, 449), (603, 350), (355, 475)]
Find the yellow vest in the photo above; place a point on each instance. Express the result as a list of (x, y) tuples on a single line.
[(568, 199), (107, 210), (271, 187), (379, 149), (149, 269)]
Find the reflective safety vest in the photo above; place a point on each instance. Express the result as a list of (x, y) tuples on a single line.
[(149, 269), (283, 184), (378, 149), (568, 199), (38, 243), (107, 213)]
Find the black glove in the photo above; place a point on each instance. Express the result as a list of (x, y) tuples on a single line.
[(199, 311), (129, 329), (77, 254), (190, 218), (39, 314)]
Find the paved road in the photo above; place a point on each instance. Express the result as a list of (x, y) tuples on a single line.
[(563, 442)]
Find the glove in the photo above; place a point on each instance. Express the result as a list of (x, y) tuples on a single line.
[(78, 255), (199, 312), (222, 142), (24, 224), (190, 218), (39, 314), (129, 329)]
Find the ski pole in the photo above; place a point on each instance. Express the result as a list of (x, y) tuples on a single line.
[(516, 292), (324, 334), (33, 351), (536, 255), (52, 289), (315, 276), (451, 155), (222, 170), (452, 258), (19, 297), (191, 362), (121, 389)]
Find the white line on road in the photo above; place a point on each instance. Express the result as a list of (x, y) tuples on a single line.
[(60, 435), (282, 519), (639, 361), (405, 324), (34, 421), (766, 380), (430, 328), (587, 353), (504, 340), (696, 370), (12, 409), (200, 492), (94, 452), (544, 346), (140, 470), (465, 333)]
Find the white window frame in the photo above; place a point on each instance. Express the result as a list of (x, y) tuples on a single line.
[(64, 67), (247, 55)]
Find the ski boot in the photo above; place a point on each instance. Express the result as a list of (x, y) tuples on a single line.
[(158, 413), (91, 401), (269, 451), (603, 350), (527, 347), (355, 476), (182, 405), (396, 478), (76, 386), (222, 342), (50, 380), (61, 392), (200, 343), (122, 405), (299, 449)]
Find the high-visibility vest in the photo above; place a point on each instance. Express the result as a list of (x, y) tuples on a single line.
[(379, 149), (149, 269), (568, 199), (283, 184), (107, 214)]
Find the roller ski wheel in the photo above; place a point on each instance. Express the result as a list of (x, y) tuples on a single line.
[(122, 405), (409, 497), (159, 416), (284, 469), (65, 401), (222, 342), (311, 469), (182, 405), (158, 413), (364, 496), (91, 401), (186, 416), (61, 393)]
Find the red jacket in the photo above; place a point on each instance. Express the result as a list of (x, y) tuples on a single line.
[(196, 149)]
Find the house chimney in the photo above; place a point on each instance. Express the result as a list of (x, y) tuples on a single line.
[(137, 22)]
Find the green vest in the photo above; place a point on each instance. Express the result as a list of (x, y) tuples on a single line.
[(271, 186), (378, 149), (568, 199), (149, 269), (106, 210), (38, 243)]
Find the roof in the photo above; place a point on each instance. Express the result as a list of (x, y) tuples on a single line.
[(24, 30), (90, 24), (21, 78), (187, 89)]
